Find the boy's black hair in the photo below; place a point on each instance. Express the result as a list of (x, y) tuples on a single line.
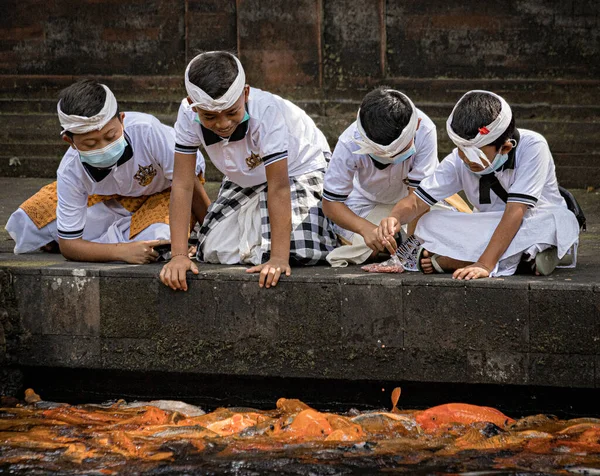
[(214, 73), (384, 113), (84, 98), (478, 110)]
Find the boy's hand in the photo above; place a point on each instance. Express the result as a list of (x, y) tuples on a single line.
[(473, 271), (174, 272), (271, 271), (140, 252), (386, 230), (371, 239)]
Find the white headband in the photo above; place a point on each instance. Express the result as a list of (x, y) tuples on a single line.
[(82, 124), (486, 134), (367, 146), (204, 101)]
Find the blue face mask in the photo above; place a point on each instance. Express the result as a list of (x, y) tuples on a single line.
[(412, 150), (105, 157), (498, 162)]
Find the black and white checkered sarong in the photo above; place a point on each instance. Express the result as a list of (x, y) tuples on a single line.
[(312, 235)]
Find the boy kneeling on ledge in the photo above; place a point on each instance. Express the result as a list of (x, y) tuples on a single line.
[(520, 217)]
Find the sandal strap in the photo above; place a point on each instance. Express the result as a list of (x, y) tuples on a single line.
[(435, 264)]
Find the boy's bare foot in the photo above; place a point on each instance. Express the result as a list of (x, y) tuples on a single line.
[(444, 262), (51, 247)]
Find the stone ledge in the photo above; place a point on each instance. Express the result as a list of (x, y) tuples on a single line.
[(319, 323)]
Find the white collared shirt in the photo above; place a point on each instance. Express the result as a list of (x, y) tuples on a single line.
[(531, 180), (276, 130), (148, 171), (357, 175)]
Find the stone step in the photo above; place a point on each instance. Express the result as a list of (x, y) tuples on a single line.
[(562, 135), (552, 91), (18, 127), (49, 86), (317, 107), (48, 105)]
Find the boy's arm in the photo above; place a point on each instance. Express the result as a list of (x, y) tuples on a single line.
[(200, 201), (279, 204), (135, 252), (405, 211), (412, 225), (341, 215), (503, 235), (174, 272)]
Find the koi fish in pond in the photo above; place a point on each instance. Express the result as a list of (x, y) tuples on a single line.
[(461, 413)]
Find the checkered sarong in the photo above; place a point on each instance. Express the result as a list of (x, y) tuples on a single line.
[(312, 235)]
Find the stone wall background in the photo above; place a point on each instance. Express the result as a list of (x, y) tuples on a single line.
[(312, 43)]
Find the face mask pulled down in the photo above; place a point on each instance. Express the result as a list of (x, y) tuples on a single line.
[(471, 148), (498, 162), (412, 150)]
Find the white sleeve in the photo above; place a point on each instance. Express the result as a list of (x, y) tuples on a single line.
[(71, 210), (531, 174), (160, 143), (272, 136), (340, 174), (444, 182), (186, 135), (426, 159)]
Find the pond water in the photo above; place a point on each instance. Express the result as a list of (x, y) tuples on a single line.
[(170, 437)]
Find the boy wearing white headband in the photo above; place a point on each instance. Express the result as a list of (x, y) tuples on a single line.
[(267, 213), (378, 160), (508, 175), (110, 200)]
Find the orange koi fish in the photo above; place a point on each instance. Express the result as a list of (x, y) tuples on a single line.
[(435, 417)]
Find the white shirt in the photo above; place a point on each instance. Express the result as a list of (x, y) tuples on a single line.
[(357, 175), (531, 179), (145, 168), (277, 129)]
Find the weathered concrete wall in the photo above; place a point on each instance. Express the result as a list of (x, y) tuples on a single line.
[(307, 42), (107, 36), (11, 334), (320, 323), (517, 38)]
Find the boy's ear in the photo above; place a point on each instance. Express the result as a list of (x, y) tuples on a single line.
[(506, 148), (246, 92), (68, 140), (121, 117), (189, 100)]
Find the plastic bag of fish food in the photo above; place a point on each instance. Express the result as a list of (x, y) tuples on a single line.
[(405, 259), (392, 265)]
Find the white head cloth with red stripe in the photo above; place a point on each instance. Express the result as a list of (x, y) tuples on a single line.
[(486, 135)]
